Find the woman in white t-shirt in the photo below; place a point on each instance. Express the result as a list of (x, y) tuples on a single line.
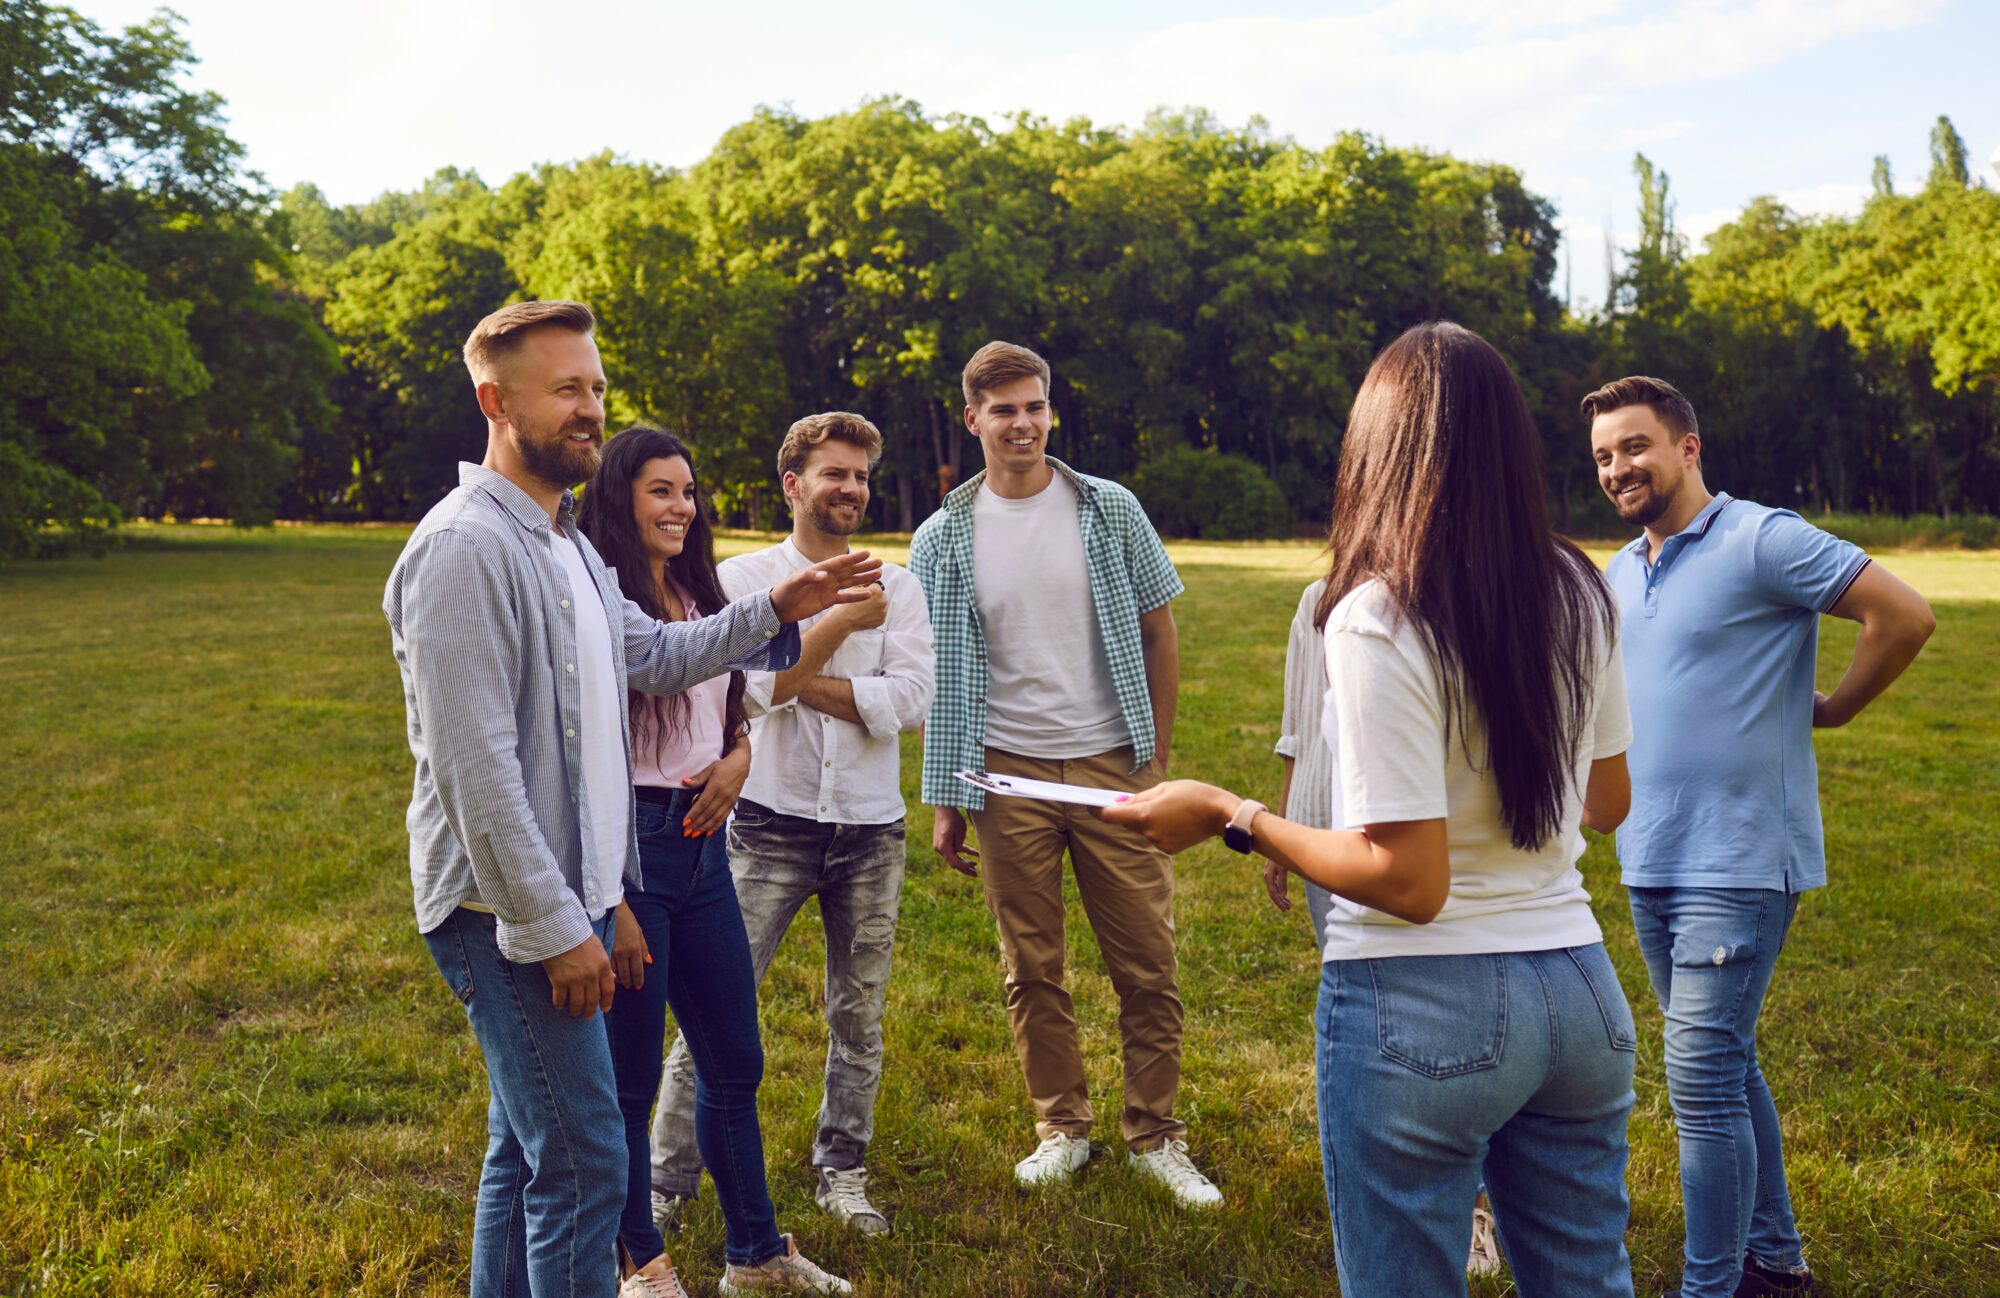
[(1475, 717)]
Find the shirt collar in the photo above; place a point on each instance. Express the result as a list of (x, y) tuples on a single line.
[(965, 493), (1697, 526), (526, 510)]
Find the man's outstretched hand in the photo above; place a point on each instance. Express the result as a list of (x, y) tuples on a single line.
[(843, 579)]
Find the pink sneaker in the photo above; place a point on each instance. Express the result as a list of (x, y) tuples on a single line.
[(656, 1279), (789, 1272)]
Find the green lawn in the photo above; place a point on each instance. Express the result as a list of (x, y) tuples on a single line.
[(228, 1067)]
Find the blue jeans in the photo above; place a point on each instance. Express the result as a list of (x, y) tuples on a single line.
[(1710, 952), (856, 871), (551, 1186), (701, 968), (1432, 1066)]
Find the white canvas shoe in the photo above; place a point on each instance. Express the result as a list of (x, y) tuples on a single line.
[(843, 1195), (1484, 1259), (1055, 1159), (1171, 1166)]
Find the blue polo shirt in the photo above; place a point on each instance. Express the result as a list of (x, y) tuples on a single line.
[(1720, 638)]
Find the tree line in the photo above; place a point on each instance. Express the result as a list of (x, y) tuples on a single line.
[(177, 339)]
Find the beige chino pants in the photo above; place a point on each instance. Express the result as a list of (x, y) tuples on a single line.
[(1127, 886)]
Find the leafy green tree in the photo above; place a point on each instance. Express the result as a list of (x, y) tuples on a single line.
[(122, 188)]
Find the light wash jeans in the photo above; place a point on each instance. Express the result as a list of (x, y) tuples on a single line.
[(554, 1178), (1710, 953), (1432, 1067), (856, 871)]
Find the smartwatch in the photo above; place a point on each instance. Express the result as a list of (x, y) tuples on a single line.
[(1236, 834)]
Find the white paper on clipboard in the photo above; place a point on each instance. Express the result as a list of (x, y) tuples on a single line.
[(1015, 786)]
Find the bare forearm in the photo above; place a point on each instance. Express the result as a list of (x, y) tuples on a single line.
[(1408, 878), (1883, 650), (816, 645), (1285, 786), (833, 696)]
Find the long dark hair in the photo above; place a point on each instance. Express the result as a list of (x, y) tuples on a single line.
[(606, 518), (1440, 497)]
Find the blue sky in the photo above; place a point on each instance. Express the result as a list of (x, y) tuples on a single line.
[(1734, 98)]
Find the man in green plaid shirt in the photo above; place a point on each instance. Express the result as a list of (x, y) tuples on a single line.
[(1057, 660)]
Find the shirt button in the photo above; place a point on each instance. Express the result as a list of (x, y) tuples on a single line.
[(829, 766), (569, 667), (570, 734), (564, 603)]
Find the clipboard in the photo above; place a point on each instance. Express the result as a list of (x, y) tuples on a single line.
[(1015, 786)]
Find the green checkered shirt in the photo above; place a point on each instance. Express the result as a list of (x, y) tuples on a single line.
[(1130, 574)]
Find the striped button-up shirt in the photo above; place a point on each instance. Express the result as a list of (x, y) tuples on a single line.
[(1310, 801), (1130, 575), (485, 637)]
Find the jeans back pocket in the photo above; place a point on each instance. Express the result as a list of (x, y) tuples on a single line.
[(1441, 1015), (447, 947), (1595, 966)]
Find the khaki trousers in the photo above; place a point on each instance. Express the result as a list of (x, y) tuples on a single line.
[(1127, 886)]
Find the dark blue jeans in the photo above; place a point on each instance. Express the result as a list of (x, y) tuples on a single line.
[(548, 1192), (701, 968)]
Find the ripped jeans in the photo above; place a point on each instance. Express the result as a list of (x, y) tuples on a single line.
[(1710, 953), (856, 871)]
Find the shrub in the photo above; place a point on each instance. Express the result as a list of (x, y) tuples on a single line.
[(1195, 493)]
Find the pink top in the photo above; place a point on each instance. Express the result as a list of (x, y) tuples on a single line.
[(671, 756)]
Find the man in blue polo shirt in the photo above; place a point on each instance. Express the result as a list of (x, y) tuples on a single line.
[(1721, 601)]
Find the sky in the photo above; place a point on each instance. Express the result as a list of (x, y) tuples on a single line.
[(1732, 98)]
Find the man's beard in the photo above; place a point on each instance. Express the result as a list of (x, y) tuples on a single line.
[(1650, 507), (559, 461), (820, 513)]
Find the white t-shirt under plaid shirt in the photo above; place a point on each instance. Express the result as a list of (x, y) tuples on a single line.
[(1130, 575)]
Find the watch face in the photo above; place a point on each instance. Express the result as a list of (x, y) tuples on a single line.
[(1237, 837)]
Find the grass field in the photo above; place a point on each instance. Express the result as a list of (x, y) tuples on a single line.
[(228, 1067)]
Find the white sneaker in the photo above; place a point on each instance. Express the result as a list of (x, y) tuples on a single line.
[(1055, 1159), (1485, 1257), (670, 1212), (1171, 1166), (843, 1194)]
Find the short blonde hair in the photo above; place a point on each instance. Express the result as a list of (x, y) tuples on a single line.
[(834, 425), (501, 334), (998, 363)]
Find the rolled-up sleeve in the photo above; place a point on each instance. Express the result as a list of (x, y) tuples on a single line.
[(898, 696), (463, 656)]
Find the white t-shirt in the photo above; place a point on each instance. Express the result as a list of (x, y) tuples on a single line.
[(1393, 760), (607, 778), (1049, 688)]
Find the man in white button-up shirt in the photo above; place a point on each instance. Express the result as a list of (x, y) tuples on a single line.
[(822, 811)]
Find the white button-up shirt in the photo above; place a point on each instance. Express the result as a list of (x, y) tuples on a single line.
[(811, 764)]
